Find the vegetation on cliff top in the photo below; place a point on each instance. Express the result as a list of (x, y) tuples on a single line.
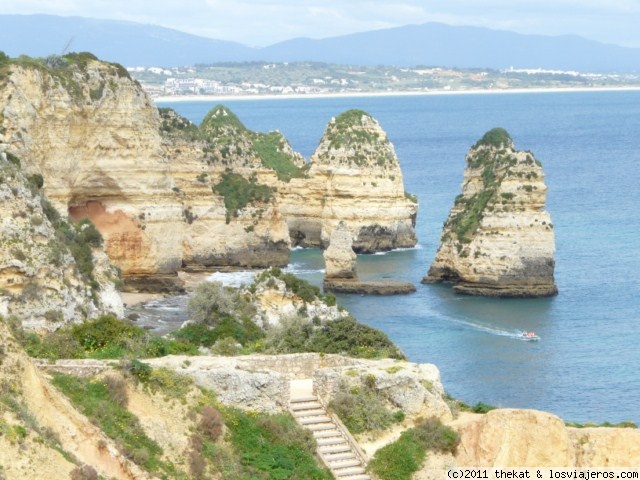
[(400, 459), (496, 137), (351, 131), (238, 192), (361, 409), (270, 148), (495, 163), (69, 70)]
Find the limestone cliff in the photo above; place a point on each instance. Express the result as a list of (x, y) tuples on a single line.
[(498, 239), (509, 438), (107, 155), (167, 194), (51, 272), (355, 177)]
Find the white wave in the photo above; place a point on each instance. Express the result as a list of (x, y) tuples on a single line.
[(233, 279), (299, 269), (404, 249)]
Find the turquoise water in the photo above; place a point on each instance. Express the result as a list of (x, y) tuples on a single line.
[(586, 366)]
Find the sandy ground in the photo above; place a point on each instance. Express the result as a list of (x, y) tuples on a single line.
[(217, 98)]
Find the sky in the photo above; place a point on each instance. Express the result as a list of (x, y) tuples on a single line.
[(264, 22)]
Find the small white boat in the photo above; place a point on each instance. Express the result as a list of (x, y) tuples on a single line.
[(529, 336)]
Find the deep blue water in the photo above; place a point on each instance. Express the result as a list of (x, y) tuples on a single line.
[(586, 367)]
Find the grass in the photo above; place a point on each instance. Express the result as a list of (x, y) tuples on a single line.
[(273, 447), (93, 399), (271, 150), (238, 192), (400, 459)]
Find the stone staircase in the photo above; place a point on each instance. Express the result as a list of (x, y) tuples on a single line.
[(336, 447)]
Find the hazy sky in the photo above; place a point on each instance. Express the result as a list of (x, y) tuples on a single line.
[(262, 22)]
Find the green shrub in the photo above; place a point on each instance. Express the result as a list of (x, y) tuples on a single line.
[(496, 137), (273, 447), (436, 436), (343, 336), (271, 150), (238, 192), (482, 407), (227, 346), (400, 459), (361, 410), (211, 302), (140, 370), (103, 332)]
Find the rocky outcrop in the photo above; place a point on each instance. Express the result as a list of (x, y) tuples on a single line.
[(355, 177), (51, 272), (339, 257), (511, 438), (274, 301), (416, 389), (340, 269), (167, 194), (498, 240)]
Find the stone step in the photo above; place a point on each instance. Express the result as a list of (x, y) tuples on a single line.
[(321, 426), (346, 472), (314, 420), (345, 464), (309, 412), (331, 441), (357, 477), (332, 457), (304, 399), (334, 449), (326, 434), (305, 406)]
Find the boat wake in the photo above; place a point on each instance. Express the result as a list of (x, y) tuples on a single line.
[(500, 332)]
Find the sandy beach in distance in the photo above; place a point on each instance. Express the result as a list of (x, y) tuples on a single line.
[(214, 98)]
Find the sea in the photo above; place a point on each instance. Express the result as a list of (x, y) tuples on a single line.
[(586, 366)]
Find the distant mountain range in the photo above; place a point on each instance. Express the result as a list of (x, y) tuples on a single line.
[(431, 44)]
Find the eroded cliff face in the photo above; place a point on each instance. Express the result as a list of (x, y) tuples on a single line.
[(355, 177), (105, 154), (168, 194), (512, 438), (51, 272), (498, 239), (94, 136)]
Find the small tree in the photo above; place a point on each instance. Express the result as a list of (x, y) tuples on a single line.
[(211, 302)]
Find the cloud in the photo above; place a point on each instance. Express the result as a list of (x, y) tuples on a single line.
[(261, 22)]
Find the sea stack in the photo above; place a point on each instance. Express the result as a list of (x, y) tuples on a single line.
[(339, 257), (354, 176), (340, 269), (498, 240)]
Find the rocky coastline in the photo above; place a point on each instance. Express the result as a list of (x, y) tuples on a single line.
[(166, 194)]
